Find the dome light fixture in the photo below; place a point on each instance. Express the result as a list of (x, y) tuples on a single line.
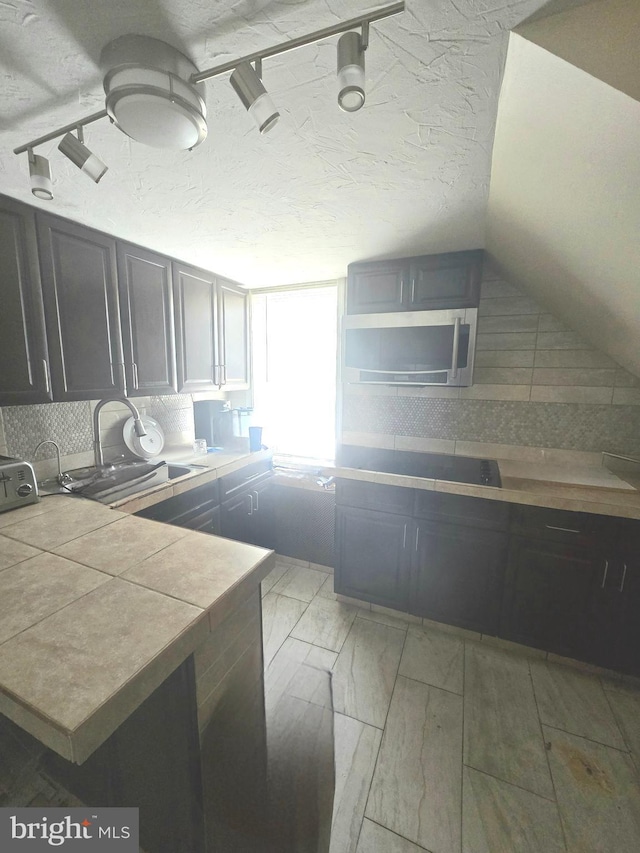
[(149, 93), (351, 94), (249, 88), (40, 175), (74, 149)]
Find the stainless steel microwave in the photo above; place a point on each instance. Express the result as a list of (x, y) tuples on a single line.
[(410, 348)]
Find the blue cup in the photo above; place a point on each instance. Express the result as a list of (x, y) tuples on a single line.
[(255, 438)]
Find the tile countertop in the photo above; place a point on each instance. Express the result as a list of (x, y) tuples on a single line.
[(594, 490), (97, 608)]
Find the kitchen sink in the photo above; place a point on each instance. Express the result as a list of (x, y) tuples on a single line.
[(180, 470)]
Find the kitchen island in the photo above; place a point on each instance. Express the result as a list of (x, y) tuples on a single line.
[(119, 636)]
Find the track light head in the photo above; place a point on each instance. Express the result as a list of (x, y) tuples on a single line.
[(350, 72), (81, 157), (40, 173), (248, 86)]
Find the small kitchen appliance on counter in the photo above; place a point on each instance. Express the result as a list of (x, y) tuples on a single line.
[(213, 422), (18, 486)]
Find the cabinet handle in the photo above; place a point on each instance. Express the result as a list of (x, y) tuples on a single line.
[(563, 529), (257, 501), (214, 370), (404, 537), (402, 289), (624, 576), (456, 347), (250, 496), (223, 374), (417, 537), (121, 375), (604, 574), (135, 375), (413, 289), (47, 383)]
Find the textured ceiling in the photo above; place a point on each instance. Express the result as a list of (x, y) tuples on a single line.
[(408, 173)]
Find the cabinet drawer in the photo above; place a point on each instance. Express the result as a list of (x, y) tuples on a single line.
[(557, 525), (470, 511), (359, 493), (247, 477)]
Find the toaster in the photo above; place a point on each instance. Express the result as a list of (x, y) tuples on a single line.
[(18, 486)]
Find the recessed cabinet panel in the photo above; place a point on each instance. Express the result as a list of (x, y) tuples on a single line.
[(458, 575), (549, 597), (233, 329), (376, 287), (373, 556), (146, 304), (445, 281), (23, 348), (81, 307), (196, 319)]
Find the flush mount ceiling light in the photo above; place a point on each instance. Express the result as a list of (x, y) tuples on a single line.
[(149, 93), (155, 94)]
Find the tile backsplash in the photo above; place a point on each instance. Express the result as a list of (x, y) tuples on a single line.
[(537, 385), (70, 426)]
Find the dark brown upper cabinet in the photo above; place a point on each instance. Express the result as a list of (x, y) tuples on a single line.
[(196, 313), (24, 377), (423, 283), (80, 291), (146, 312), (233, 335)]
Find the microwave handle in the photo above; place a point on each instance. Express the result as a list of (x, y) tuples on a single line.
[(456, 347), (408, 372)]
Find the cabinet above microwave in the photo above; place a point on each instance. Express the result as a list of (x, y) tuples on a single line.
[(410, 348), (421, 283)]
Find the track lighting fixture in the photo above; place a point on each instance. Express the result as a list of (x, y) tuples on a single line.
[(248, 86), (40, 173), (80, 156), (350, 72), (154, 93)]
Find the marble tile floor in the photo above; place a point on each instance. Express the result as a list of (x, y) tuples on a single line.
[(446, 744)]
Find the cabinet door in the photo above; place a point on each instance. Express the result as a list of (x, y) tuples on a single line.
[(236, 517), (549, 595), (377, 287), (445, 281), (146, 306), (458, 575), (24, 377), (372, 556), (233, 335), (264, 515), (81, 301), (196, 319)]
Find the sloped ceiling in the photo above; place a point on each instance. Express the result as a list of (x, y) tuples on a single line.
[(409, 173), (564, 208)]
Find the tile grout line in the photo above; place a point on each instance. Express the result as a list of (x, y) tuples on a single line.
[(398, 835), (464, 676), (546, 753), (590, 739)]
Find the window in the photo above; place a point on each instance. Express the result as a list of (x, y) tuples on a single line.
[(294, 369)]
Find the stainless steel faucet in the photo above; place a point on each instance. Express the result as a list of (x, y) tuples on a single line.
[(97, 444), (61, 478)]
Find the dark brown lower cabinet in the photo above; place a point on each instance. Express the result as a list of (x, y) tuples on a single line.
[(458, 575), (373, 556), (250, 516), (552, 596)]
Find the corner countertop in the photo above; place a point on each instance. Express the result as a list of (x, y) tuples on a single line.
[(579, 489), (97, 608)]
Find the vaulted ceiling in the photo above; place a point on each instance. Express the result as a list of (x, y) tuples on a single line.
[(407, 174)]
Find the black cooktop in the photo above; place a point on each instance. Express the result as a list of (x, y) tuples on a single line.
[(435, 466)]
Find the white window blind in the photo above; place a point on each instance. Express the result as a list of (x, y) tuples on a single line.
[(294, 370)]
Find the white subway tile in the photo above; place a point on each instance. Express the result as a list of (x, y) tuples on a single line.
[(575, 394), (495, 392)]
